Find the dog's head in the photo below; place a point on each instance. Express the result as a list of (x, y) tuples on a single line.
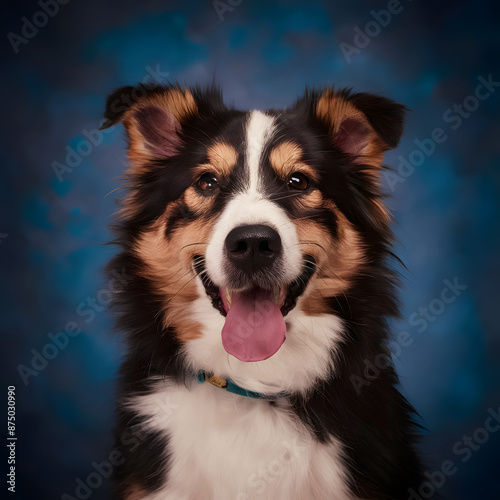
[(249, 226)]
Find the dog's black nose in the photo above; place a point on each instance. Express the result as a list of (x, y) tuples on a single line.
[(252, 248)]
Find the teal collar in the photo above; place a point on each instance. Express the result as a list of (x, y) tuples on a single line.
[(230, 386)]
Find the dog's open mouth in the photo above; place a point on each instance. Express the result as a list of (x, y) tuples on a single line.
[(255, 328)]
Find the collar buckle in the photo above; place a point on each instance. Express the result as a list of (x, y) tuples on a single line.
[(215, 380), (230, 386)]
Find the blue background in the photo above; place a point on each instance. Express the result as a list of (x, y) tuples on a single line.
[(263, 53)]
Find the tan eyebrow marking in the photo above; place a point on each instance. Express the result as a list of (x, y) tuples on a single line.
[(286, 158), (223, 157)]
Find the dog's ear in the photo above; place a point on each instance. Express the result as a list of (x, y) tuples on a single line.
[(153, 118), (362, 125)]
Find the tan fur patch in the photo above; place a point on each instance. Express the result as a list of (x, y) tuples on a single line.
[(286, 159), (334, 109), (284, 156), (168, 265), (337, 259), (135, 493), (196, 202), (221, 160), (312, 199), (222, 157), (177, 102)]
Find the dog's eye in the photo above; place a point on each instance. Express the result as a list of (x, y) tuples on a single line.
[(208, 183), (298, 181)]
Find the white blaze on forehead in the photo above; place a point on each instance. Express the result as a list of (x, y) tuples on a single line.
[(249, 207), (259, 130)]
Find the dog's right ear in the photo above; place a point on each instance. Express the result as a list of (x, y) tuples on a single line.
[(153, 117)]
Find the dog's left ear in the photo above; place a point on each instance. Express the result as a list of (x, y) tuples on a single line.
[(362, 125)]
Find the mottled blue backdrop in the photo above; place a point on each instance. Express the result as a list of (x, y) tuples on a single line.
[(441, 59)]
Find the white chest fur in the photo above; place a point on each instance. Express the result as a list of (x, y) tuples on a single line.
[(228, 447)]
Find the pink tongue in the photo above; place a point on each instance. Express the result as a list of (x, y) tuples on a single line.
[(254, 328)]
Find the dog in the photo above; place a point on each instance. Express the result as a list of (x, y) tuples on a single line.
[(261, 277)]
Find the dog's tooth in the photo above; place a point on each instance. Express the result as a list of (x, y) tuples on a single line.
[(229, 297), (276, 295)]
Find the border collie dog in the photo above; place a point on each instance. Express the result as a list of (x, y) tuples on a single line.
[(257, 250)]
